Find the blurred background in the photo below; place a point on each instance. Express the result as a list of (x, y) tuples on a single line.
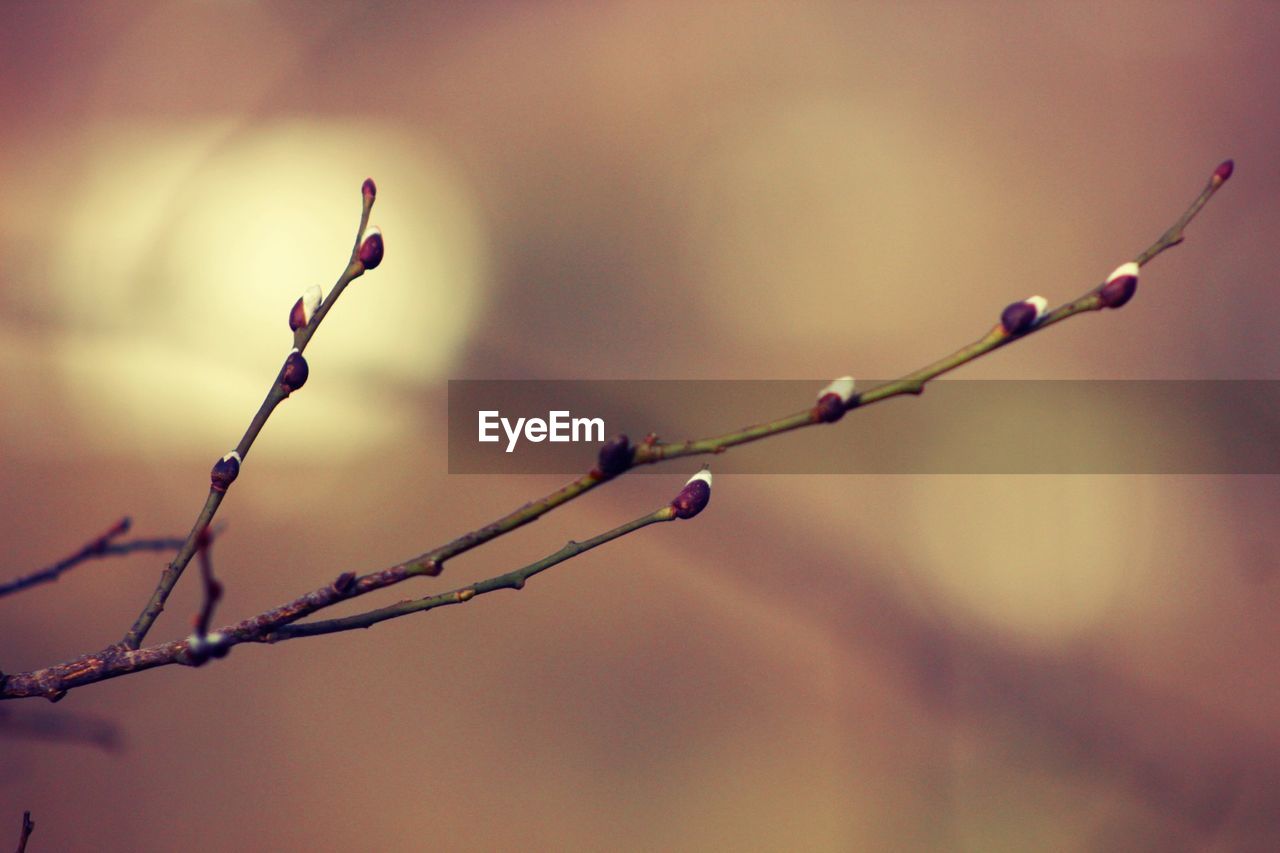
[(622, 190)]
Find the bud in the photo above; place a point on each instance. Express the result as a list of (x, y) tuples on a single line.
[(834, 399), (369, 190), (694, 496), (1224, 170), (295, 372), (225, 471), (371, 248), (1120, 286), (615, 456), (1022, 316), (305, 308), (201, 647)]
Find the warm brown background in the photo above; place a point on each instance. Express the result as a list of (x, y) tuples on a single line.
[(620, 190)]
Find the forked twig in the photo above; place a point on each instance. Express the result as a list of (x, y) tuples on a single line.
[(1017, 321), (102, 546)]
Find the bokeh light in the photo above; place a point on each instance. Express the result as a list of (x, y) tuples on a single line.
[(185, 251)]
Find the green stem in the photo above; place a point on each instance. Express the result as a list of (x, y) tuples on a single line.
[(511, 580), (276, 394)]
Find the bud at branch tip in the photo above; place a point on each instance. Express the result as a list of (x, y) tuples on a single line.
[(369, 189), (1223, 172), (694, 496)]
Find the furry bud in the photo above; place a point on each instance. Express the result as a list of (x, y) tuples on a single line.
[(834, 399), (371, 248), (694, 496), (1022, 316), (225, 471), (305, 308), (1120, 286), (369, 190)]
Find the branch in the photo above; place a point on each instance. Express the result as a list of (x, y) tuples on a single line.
[(53, 682), (28, 826), (365, 255), (103, 546), (200, 646), (691, 500), (1017, 321)]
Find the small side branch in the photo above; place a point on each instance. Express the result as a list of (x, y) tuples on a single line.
[(691, 500), (28, 827), (103, 546), (304, 319), (53, 682)]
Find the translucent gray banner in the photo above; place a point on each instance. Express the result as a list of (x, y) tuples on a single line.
[(955, 427)]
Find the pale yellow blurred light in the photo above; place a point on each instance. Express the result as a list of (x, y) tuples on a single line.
[(156, 406), (1043, 558), (190, 244), (133, 175)]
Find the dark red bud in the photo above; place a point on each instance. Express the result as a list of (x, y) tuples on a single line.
[(369, 189), (1118, 291), (371, 249), (1018, 317), (305, 308), (694, 496), (343, 583), (295, 372), (1224, 170), (830, 408), (615, 456), (225, 471)]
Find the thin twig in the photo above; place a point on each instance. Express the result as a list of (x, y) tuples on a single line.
[(914, 382), (213, 589), (102, 546), (652, 451), (278, 392), (28, 827), (511, 580), (53, 682)]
